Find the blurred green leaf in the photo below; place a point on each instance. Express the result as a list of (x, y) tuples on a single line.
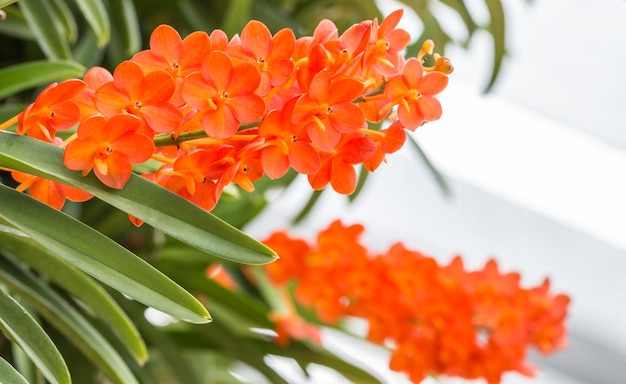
[(99, 256), (177, 362), (10, 110), (97, 17), (141, 198), (8, 374), (92, 295), (497, 29), (86, 51), (66, 319), (65, 16), (461, 8), (15, 25), (236, 17), (24, 365), (20, 326), (315, 195), (47, 28), (126, 26), (19, 77), (4, 3)]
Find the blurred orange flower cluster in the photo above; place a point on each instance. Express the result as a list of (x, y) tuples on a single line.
[(213, 111), (436, 319)]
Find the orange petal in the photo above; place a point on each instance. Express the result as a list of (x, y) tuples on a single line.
[(166, 43), (156, 88), (128, 77), (347, 117), (110, 100), (274, 162), (304, 158), (256, 38), (217, 70), (342, 177), (246, 108), (432, 83), (221, 123), (162, 119), (48, 192)]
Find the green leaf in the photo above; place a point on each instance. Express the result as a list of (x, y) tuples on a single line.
[(8, 374), (19, 77), (98, 19), (15, 25), (64, 15), (47, 28), (497, 29), (461, 8), (237, 14), (67, 320), (99, 256), (143, 199), (86, 51), (20, 326), (126, 26), (304, 212), (4, 3), (92, 295)]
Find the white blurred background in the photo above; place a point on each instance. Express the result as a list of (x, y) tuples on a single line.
[(537, 170)]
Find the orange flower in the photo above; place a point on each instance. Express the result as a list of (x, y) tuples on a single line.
[(48, 191), (387, 42), (170, 53), (272, 55), (194, 175), (95, 77), (387, 141), (53, 110), (284, 146), (337, 167), (223, 94), (145, 96), (109, 147), (414, 93), (327, 110), (439, 320)]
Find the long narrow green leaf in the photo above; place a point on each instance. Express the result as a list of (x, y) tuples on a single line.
[(497, 29), (8, 374), (143, 199), (64, 15), (66, 320), (97, 17), (14, 25), (237, 13), (20, 326), (25, 366), (91, 294), (47, 28), (4, 3), (460, 7), (126, 25), (99, 256), (19, 77)]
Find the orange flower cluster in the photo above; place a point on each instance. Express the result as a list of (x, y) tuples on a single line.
[(215, 111), (437, 319)]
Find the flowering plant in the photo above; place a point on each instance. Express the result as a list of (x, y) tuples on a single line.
[(175, 133)]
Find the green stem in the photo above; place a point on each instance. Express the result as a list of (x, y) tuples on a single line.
[(168, 139)]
